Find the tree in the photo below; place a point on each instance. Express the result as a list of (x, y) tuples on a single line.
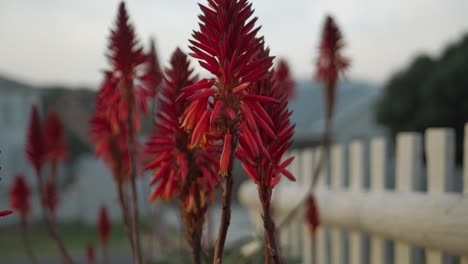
[(431, 92)]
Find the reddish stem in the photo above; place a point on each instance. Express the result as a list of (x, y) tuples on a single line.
[(52, 226), (226, 208), (271, 246), (133, 191), (124, 209), (26, 241)]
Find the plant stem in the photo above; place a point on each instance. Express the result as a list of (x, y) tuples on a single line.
[(26, 241), (105, 254), (271, 246), (52, 226), (197, 231), (325, 143), (124, 209), (133, 191), (226, 208)]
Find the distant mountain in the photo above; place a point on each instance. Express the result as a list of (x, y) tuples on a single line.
[(308, 105)]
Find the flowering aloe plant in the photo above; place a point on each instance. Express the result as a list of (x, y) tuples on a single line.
[(128, 84), (227, 46), (265, 168), (330, 62), (37, 151), (180, 169)]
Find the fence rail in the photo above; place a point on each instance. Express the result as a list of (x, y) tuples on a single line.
[(359, 212)]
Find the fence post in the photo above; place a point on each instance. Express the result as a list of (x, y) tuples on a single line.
[(307, 168), (464, 259), (295, 227), (356, 169), (337, 179), (320, 234), (285, 232), (378, 168), (408, 167)]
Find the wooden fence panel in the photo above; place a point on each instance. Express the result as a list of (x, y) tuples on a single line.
[(307, 168), (320, 235), (440, 150), (378, 168), (356, 177), (408, 166), (337, 179)]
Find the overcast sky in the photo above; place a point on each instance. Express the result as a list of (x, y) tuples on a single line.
[(59, 41)]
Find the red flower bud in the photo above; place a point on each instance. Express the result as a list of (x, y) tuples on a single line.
[(20, 195), (103, 225), (35, 145), (55, 138), (312, 214)]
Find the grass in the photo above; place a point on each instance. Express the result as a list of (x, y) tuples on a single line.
[(76, 237)]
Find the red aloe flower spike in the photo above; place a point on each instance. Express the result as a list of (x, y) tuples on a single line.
[(90, 255), (284, 79), (262, 144), (51, 196), (330, 62), (104, 226), (180, 169), (35, 145), (152, 77), (20, 195), (128, 60), (55, 138), (312, 214), (226, 45)]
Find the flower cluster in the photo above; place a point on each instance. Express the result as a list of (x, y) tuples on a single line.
[(284, 78), (124, 88), (265, 167), (35, 148), (20, 196), (103, 225), (330, 62), (227, 46), (180, 168), (109, 136)]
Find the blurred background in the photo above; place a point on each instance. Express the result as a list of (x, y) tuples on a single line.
[(409, 71)]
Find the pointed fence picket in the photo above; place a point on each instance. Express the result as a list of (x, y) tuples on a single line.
[(423, 215)]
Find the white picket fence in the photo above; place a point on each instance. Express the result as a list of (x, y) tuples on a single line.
[(357, 222)]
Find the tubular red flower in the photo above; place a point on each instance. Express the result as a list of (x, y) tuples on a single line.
[(225, 155), (35, 145), (284, 79), (109, 134), (226, 45), (128, 83), (330, 62), (312, 214), (103, 225), (20, 195), (50, 198), (271, 132), (54, 138), (177, 165)]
